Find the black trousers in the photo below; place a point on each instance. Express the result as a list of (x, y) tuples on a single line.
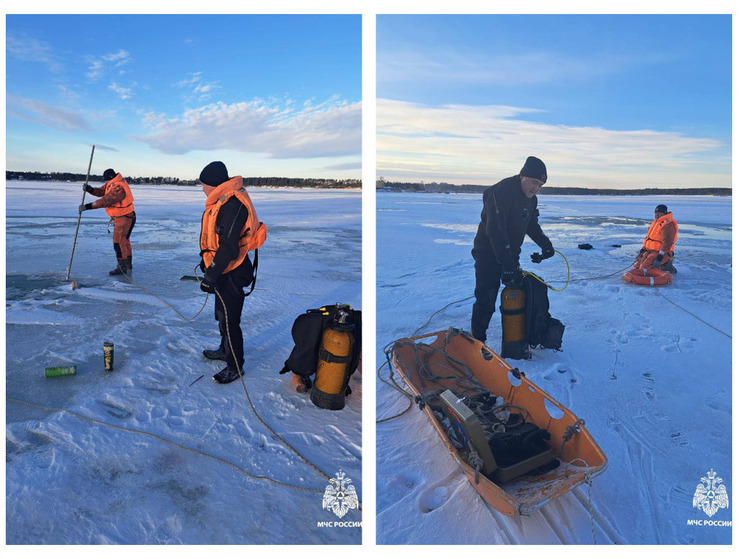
[(488, 272), (229, 319)]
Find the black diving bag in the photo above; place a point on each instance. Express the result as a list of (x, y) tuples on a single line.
[(541, 329), (307, 332)]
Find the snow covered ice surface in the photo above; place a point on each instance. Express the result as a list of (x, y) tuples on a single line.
[(74, 481), (651, 381)]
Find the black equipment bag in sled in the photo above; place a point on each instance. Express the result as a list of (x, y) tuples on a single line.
[(307, 333), (541, 329)]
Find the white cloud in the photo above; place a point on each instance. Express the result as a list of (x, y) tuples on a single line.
[(118, 58), (503, 68), (122, 92), (27, 48), (325, 130), (47, 115), (105, 148), (194, 78), (95, 70), (482, 144), (200, 90), (100, 66), (67, 93)]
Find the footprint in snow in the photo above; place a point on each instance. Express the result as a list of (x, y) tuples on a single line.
[(433, 498), (44, 458), (679, 438), (617, 338), (720, 403), (649, 389), (116, 411)]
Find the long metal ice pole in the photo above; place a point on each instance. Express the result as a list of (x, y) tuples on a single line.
[(67, 277)]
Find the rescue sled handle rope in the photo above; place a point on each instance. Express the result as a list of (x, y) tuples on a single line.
[(589, 481), (75, 240), (167, 441), (412, 335), (393, 384)]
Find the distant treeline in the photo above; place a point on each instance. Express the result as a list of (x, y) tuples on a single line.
[(247, 181), (554, 190)]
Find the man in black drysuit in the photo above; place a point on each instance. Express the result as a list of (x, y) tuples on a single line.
[(508, 215), (224, 225)]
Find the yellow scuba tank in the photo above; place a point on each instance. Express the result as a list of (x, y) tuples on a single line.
[(335, 356), (513, 311)]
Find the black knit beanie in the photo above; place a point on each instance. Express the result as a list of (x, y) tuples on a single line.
[(662, 208), (214, 174), (109, 174), (534, 168)]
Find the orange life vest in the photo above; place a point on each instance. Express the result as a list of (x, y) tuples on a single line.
[(124, 206), (654, 239), (253, 234)]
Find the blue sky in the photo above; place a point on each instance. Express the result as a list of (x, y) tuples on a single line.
[(270, 95), (606, 100)]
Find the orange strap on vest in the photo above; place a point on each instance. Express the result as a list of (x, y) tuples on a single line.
[(253, 234), (124, 206)]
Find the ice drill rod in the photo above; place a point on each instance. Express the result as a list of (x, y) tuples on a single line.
[(75, 240)]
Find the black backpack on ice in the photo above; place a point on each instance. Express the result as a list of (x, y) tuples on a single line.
[(541, 329), (307, 333)]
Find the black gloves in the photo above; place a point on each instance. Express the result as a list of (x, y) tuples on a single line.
[(84, 207), (546, 252), (658, 260), (88, 188), (512, 278), (208, 284)]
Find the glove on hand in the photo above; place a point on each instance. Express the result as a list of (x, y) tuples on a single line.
[(658, 260), (208, 284), (512, 278), (84, 207), (88, 188), (547, 252)]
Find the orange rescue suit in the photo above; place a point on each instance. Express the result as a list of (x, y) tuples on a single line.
[(253, 234), (124, 206), (662, 234)]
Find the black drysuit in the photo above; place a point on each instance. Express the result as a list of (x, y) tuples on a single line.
[(507, 217), (230, 222)]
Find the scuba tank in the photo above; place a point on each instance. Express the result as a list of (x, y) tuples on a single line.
[(513, 311), (335, 358)]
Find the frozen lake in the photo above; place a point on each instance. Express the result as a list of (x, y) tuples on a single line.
[(71, 480), (649, 369)]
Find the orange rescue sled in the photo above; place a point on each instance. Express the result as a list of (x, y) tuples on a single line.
[(651, 277), (453, 360)]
